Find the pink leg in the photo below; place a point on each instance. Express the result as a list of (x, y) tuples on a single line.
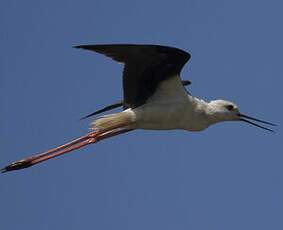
[(90, 138)]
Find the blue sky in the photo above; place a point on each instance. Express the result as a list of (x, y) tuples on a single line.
[(227, 177)]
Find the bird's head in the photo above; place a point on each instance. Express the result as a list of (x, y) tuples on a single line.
[(221, 110)]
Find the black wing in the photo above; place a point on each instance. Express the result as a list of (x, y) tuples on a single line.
[(145, 67), (106, 108)]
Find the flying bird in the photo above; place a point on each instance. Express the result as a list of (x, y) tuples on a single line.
[(154, 97)]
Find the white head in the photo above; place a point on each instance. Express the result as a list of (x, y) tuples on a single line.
[(221, 110)]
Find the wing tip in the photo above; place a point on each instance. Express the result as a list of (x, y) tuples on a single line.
[(78, 46), (4, 170), (186, 82)]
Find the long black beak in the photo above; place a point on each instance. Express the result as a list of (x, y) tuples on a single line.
[(242, 118)]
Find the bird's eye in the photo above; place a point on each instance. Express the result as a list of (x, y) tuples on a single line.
[(230, 107)]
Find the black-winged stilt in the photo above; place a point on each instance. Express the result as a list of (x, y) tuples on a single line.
[(154, 98)]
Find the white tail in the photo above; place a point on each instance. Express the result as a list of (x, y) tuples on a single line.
[(113, 121)]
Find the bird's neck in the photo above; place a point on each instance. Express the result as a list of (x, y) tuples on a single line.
[(205, 112), (198, 118)]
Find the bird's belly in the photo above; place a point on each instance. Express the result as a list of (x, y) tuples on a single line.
[(161, 116)]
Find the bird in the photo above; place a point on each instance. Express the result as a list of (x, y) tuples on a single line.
[(154, 98)]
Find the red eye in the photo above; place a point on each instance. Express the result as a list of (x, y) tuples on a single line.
[(230, 107)]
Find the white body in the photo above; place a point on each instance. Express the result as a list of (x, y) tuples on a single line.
[(170, 107), (175, 114)]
